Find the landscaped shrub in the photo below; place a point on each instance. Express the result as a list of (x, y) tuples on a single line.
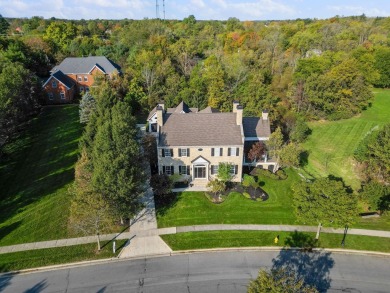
[(247, 195), (282, 175), (248, 180), (279, 175), (266, 173)]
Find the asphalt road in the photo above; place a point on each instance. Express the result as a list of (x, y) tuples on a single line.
[(208, 272)]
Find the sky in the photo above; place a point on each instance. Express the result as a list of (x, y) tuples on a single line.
[(201, 9)]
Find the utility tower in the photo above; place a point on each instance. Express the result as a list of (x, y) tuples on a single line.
[(157, 10), (164, 8)]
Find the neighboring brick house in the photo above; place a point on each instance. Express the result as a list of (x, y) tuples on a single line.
[(76, 75), (192, 143)]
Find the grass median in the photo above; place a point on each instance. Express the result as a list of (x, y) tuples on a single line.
[(59, 255), (224, 239)]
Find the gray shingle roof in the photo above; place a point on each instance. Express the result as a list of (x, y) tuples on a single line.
[(256, 127), (83, 65), (209, 110), (194, 129), (61, 77)]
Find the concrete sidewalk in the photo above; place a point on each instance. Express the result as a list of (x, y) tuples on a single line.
[(61, 242), (286, 228), (144, 239)]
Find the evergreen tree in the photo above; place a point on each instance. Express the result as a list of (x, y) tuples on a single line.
[(4, 25), (87, 106), (117, 163)]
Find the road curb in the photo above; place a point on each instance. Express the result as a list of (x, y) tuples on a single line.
[(275, 248), (194, 251)]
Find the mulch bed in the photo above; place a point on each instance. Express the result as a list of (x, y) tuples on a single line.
[(255, 194)]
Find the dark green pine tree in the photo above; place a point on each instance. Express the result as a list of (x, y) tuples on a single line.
[(118, 172), (87, 106), (4, 25)]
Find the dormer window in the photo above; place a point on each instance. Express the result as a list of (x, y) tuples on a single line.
[(53, 83), (80, 78), (85, 78)]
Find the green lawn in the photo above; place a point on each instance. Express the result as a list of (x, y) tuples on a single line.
[(59, 255), (332, 143), (218, 239), (193, 208), (35, 175)]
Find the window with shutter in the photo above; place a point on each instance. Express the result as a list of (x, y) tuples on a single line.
[(237, 152), (188, 170), (221, 152), (233, 169), (212, 152), (229, 152), (183, 152), (167, 153)]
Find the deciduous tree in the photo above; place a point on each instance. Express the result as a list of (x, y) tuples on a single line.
[(282, 280), (324, 201)]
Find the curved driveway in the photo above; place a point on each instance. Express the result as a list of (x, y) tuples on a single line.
[(208, 272)]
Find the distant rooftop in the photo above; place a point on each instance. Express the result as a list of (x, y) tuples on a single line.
[(83, 65)]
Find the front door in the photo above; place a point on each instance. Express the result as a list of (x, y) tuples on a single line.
[(199, 172)]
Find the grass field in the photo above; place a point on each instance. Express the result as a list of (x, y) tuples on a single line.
[(59, 255), (332, 143), (218, 239), (35, 175), (193, 208)]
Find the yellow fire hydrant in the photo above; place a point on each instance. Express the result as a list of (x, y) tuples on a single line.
[(276, 240)]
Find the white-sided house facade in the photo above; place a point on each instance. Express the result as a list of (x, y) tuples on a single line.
[(193, 143)]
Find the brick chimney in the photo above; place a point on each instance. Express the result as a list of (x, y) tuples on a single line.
[(239, 110)]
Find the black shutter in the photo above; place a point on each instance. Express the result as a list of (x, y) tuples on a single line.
[(188, 152), (162, 152), (179, 152), (212, 152), (172, 170), (237, 152), (163, 169), (212, 169), (188, 170), (180, 170), (221, 153), (229, 151), (171, 152), (235, 169)]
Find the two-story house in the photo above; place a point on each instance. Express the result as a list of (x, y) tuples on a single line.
[(76, 75), (192, 143)]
